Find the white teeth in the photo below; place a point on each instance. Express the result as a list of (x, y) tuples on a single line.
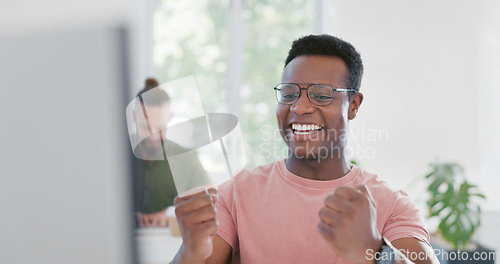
[(304, 127)]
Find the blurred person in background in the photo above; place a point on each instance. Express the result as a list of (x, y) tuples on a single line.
[(153, 183)]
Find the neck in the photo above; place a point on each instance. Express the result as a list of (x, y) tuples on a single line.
[(322, 170)]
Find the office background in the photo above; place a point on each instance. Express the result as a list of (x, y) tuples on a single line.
[(431, 83)]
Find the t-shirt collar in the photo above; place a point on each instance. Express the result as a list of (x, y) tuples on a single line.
[(316, 184)]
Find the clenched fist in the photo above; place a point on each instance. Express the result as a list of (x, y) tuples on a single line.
[(348, 223), (197, 218)]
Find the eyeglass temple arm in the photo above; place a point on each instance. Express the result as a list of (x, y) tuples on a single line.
[(344, 90)]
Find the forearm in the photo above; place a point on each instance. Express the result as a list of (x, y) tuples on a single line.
[(181, 258)]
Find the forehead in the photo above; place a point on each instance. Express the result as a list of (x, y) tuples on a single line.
[(316, 69)]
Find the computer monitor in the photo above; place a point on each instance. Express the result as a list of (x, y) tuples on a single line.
[(64, 170)]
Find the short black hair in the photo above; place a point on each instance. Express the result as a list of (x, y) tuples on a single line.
[(155, 97), (330, 46)]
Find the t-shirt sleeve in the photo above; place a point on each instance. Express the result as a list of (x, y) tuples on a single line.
[(226, 214), (405, 220)]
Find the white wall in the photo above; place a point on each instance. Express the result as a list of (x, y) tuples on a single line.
[(431, 82)]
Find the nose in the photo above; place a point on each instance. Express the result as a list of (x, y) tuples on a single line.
[(303, 104)]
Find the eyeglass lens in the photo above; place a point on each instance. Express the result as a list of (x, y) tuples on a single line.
[(319, 94)]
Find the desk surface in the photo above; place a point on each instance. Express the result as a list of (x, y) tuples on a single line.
[(156, 245)]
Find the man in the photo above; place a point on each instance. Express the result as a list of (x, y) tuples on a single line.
[(313, 207), (154, 186)]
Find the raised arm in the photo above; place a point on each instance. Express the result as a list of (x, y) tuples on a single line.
[(197, 220), (348, 223)]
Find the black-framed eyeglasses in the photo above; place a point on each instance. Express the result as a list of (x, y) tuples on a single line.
[(318, 93)]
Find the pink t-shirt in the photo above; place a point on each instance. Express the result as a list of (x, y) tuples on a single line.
[(270, 215)]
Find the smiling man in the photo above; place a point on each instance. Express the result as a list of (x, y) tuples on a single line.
[(314, 206)]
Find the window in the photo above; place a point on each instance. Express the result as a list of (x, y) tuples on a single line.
[(235, 50)]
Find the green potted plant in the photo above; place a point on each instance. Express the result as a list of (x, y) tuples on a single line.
[(454, 201)]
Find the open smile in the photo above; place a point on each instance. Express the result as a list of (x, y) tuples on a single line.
[(305, 129)]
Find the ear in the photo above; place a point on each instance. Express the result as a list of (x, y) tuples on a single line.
[(354, 104)]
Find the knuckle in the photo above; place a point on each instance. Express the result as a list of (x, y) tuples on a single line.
[(321, 213), (346, 208), (320, 228), (340, 189), (328, 199), (208, 198), (344, 220), (324, 229), (363, 201), (348, 211), (210, 210)]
